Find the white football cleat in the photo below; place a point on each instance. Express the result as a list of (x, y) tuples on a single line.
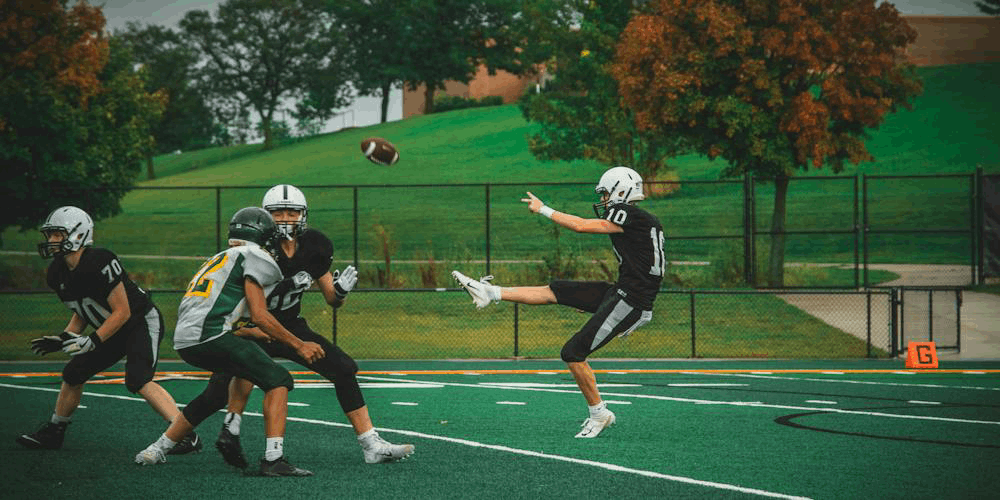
[(150, 456), (482, 291), (381, 451), (594, 425)]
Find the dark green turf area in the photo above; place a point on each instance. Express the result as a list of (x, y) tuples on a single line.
[(815, 435)]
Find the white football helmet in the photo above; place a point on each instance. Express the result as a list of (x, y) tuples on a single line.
[(621, 184), (78, 229), (287, 196)]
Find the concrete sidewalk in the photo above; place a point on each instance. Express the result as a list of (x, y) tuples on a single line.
[(980, 321)]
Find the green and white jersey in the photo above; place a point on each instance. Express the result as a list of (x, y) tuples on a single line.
[(216, 298)]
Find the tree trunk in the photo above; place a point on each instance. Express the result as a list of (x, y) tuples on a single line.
[(776, 273), (150, 175), (386, 89), (428, 98), (265, 125)]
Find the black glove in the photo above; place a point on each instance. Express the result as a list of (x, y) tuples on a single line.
[(51, 343)]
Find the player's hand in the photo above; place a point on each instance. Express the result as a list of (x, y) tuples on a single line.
[(51, 343), (310, 351), (343, 282), (534, 204), (80, 345)]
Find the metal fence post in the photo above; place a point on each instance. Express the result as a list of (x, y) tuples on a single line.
[(356, 264), (958, 319), (487, 193), (747, 232), (753, 232), (693, 351), (930, 315), (972, 226), (857, 238), (865, 228), (516, 329), (218, 219), (893, 321), (868, 320)]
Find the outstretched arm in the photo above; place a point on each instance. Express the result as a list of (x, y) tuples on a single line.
[(571, 222)]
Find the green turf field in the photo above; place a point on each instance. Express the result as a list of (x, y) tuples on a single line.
[(747, 429)]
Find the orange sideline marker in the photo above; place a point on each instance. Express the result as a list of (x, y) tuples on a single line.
[(921, 355)]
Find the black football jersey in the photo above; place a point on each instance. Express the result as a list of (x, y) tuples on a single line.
[(639, 251), (312, 260), (85, 289)]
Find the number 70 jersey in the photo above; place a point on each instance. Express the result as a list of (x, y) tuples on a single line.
[(216, 297), (641, 260)]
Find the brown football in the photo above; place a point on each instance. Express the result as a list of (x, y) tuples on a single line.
[(379, 151)]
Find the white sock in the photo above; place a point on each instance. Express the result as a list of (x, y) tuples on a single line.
[(598, 409), (233, 423), (56, 419), (165, 444), (367, 438), (274, 448), (493, 292)]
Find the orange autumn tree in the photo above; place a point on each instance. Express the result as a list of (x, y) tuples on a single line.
[(74, 115), (770, 86)]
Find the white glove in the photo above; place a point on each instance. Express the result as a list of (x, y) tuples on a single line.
[(343, 282), (80, 345)]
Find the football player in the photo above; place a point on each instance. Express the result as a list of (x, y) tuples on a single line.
[(92, 282), (304, 256), (619, 308), (232, 285)]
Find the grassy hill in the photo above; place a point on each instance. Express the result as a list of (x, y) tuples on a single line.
[(951, 130)]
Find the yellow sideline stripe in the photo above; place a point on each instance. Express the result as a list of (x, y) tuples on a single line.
[(501, 372)]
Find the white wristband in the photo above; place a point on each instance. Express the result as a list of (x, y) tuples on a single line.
[(546, 211)]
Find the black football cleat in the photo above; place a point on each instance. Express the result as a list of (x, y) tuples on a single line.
[(229, 446), (48, 437), (190, 444), (281, 467)]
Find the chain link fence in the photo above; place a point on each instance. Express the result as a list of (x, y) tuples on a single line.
[(406, 239)]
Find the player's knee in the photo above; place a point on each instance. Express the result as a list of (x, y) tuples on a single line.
[(571, 353), (135, 385), (73, 377)]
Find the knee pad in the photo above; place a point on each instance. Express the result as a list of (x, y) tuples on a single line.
[(133, 386), (571, 353)]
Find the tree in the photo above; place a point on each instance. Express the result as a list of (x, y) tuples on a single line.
[(168, 64), (260, 52), (73, 116), (771, 86), (379, 54), (580, 113), (449, 39), (989, 7)]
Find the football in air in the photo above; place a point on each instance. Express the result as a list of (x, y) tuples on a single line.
[(379, 151)]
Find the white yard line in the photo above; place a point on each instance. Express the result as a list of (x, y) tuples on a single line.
[(506, 449)]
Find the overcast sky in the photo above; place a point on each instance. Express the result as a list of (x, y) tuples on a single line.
[(118, 12), (365, 111)]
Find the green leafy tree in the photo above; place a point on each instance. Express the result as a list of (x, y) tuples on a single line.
[(580, 112), (380, 53), (168, 64), (989, 7), (259, 53), (74, 117), (449, 39), (771, 86)]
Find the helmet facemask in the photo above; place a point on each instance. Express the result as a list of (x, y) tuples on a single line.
[(286, 196)]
